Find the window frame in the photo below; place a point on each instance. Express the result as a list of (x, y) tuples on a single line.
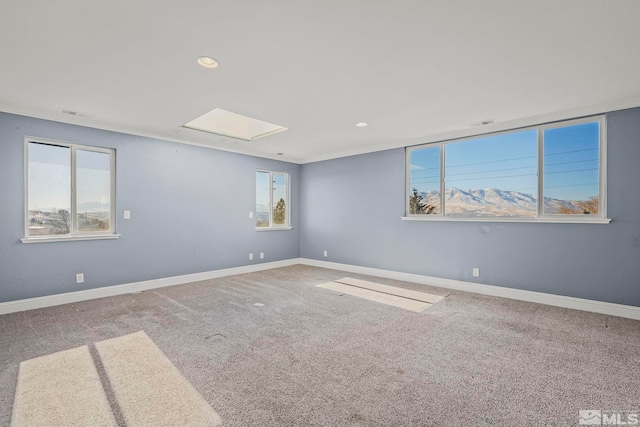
[(74, 234), (271, 226), (600, 218)]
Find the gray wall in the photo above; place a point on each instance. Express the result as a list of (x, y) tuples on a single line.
[(189, 208), (190, 214), (352, 208)]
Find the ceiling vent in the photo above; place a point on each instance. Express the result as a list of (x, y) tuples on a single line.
[(75, 113), (482, 123)]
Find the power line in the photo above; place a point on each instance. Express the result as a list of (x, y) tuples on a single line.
[(559, 186), (575, 170), (491, 161), (498, 177), (522, 167), (489, 177), (566, 163), (493, 170), (570, 185), (426, 176), (425, 182), (572, 151), (509, 159), (424, 169)]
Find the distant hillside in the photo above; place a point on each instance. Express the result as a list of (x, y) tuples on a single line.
[(93, 207), (82, 207)]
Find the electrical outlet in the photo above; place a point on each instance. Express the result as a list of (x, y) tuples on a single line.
[(250, 256), (476, 272), (80, 278), (127, 214), (261, 255), (250, 214), (325, 254)]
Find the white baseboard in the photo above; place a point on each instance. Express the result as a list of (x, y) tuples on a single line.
[(107, 291), (611, 309)]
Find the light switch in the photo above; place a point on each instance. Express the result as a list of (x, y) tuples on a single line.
[(127, 214)]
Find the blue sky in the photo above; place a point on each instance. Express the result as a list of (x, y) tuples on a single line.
[(50, 177), (509, 162), (571, 162), (262, 189)]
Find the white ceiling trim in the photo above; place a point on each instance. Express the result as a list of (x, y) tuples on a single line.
[(96, 124), (462, 133), (496, 127)]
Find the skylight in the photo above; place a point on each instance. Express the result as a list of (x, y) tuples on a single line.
[(226, 123)]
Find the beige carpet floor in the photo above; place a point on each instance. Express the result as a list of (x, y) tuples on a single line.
[(272, 349)]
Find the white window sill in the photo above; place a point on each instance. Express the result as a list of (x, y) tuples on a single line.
[(50, 239), (546, 220), (273, 228)]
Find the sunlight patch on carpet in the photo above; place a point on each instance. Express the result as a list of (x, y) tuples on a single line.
[(61, 390), (149, 389), (391, 290), (393, 300)]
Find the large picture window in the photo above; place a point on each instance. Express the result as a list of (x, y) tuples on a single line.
[(553, 172), (272, 200), (69, 190)]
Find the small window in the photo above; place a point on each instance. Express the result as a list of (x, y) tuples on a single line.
[(571, 170), (70, 190), (424, 192), (272, 200), (552, 173)]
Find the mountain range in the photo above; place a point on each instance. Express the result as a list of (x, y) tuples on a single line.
[(493, 202), (82, 207)]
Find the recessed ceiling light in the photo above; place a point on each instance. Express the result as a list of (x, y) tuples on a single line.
[(208, 62), (361, 124)]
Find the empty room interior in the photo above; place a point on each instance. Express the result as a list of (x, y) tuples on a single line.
[(356, 213)]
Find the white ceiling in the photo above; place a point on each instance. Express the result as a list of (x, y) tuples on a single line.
[(416, 71)]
